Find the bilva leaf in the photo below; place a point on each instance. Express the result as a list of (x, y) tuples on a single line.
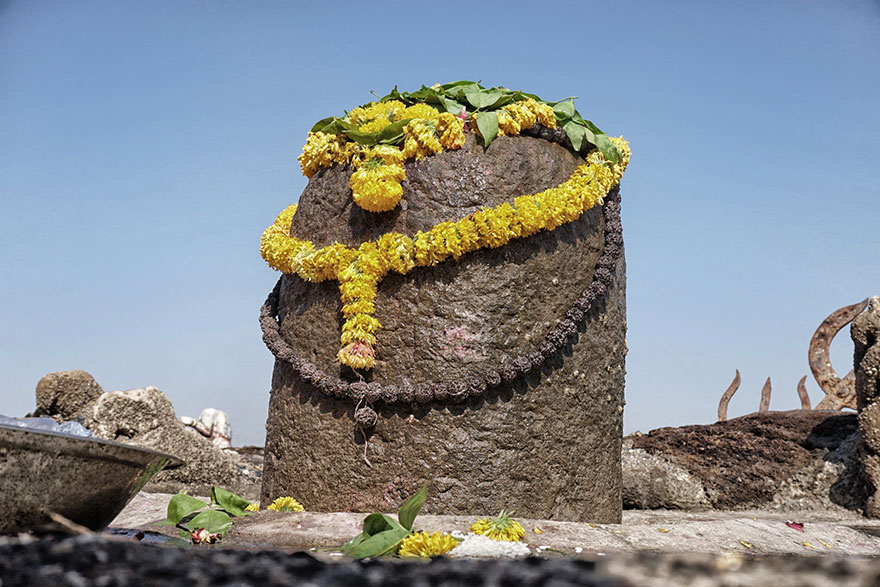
[(231, 503), (607, 148), (452, 106), (180, 506), (377, 545), (564, 110), (487, 122), (451, 85), (393, 133), (214, 521), (576, 133), (411, 507), (323, 123)]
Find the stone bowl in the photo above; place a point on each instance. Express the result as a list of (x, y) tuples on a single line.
[(86, 480)]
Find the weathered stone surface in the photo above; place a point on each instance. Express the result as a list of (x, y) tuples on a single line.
[(548, 445), (145, 417), (651, 481), (800, 459), (64, 395), (865, 332)]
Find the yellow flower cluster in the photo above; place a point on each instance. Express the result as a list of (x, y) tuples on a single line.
[(375, 116), (252, 507), (502, 528), (424, 545), (524, 114), (286, 504), (323, 150), (376, 183), (359, 270)]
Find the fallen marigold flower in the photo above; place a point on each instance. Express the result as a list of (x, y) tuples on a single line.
[(424, 545), (286, 504), (502, 528)]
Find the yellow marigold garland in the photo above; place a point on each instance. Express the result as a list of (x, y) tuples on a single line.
[(359, 270), (376, 183)]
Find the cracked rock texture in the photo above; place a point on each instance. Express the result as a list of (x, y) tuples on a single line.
[(547, 445), (865, 332), (794, 460)]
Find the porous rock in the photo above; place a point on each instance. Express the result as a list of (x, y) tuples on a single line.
[(865, 331), (64, 395), (799, 459), (651, 481), (546, 444), (145, 417)]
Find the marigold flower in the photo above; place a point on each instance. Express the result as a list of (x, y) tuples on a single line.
[(375, 116), (376, 186), (420, 111), (357, 355), (502, 528), (507, 124), (451, 131), (286, 504), (359, 270), (424, 545), (253, 507), (420, 139)]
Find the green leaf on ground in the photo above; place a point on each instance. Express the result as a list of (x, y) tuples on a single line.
[(384, 542), (214, 521), (180, 506), (231, 503)]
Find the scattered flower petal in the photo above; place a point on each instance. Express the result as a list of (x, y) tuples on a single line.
[(795, 525), (746, 544)]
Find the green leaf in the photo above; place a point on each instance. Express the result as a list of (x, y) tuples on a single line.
[(180, 506), (607, 148), (376, 523), (393, 133), (487, 122), (564, 110), (377, 545), (451, 85), (214, 521), (231, 503), (412, 506), (452, 106), (323, 123), (576, 134), (393, 95)]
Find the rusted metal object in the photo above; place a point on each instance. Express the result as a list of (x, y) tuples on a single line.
[(802, 393), (725, 397), (765, 396), (839, 393)]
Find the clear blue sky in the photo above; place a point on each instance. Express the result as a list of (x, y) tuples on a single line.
[(144, 146)]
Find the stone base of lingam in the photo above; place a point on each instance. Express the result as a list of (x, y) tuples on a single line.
[(540, 435)]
